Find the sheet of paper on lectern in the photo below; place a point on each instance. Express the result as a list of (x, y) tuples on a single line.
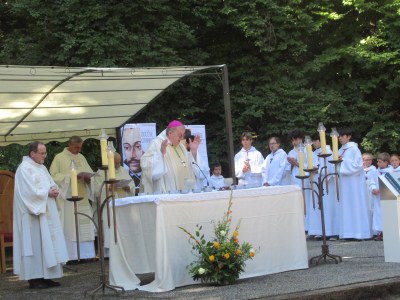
[(394, 179)]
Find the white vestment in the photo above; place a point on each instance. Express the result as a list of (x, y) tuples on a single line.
[(255, 159), (273, 168), (217, 182), (60, 170), (39, 248), (374, 201), (329, 198), (292, 179), (354, 217), (100, 192), (166, 173)]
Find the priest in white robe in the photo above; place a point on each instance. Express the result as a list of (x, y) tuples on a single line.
[(124, 188), (39, 249), (354, 217), (60, 170), (167, 165)]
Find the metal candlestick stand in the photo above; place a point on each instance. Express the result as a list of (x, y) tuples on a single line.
[(100, 234), (322, 176)]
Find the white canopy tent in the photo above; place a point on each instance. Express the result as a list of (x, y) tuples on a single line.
[(54, 103)]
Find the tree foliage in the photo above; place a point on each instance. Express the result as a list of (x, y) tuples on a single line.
[(291, 64)]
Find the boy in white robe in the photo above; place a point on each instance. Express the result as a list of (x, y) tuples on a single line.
[(354, 217), (60, 171), (329, 198), (395, 162), (372, 185), (217, 180), (274, 165), (292, 168), (39, 249), (248, 162), (166, 163)]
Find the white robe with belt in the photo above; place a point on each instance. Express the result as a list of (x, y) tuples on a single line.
[(39, 248), (60, 170)]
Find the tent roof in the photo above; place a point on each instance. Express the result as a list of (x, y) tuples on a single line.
[(54, 103)]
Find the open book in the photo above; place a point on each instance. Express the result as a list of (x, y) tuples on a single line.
[(123, 183)]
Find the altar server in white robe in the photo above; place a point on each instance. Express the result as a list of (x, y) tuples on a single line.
[(372, 186), (330, 203), (248, 162), (124, 188), (60, 170), (292, 168), (354, 217), (166, 163), (274, 165), (39, 249)]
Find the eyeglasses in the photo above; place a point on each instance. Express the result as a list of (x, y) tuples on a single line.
[(272, 144), (42, 153)]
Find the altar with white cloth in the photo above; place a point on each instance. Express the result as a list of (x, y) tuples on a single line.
[(149, 240)]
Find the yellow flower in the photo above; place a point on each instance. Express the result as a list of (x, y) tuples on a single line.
[(226, 255), (238, 252), (236, 240), (216, 245), (211, 258), (235, 233)]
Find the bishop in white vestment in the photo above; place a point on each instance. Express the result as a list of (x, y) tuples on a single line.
[(167, 164)]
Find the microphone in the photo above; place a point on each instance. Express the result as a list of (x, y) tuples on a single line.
[(194, 163)]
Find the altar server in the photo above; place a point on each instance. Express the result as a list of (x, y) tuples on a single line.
[(354, 217), (372, 185), (274, 165), (39, 249), (248, 162)]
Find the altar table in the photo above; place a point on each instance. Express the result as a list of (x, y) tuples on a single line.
[(149, 240)]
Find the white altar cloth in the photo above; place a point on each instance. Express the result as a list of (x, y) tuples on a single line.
[(149, 239)]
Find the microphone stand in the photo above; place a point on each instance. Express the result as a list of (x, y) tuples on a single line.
[(194, 163)]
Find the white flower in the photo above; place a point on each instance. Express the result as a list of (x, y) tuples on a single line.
[(201, 271), (222, 232)]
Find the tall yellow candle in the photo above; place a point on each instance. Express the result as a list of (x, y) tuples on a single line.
[(308, 142), (111, 165), (322, 138), (103, 149), (335, 148), (74, 182), (301, 163)]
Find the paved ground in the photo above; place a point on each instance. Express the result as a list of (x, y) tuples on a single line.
[(363, 274)]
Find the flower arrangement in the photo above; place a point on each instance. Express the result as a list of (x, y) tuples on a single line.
[(222, 259)]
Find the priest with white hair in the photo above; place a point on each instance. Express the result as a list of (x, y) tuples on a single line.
[(167, 165)]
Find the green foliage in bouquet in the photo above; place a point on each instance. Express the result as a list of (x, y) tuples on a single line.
[(222, 259)]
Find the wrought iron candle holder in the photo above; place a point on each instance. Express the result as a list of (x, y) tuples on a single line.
[(104, 282), (322, 176)]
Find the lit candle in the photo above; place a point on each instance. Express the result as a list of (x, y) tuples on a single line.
[(74, 180), (111, 165), (301, 159), (335, 149), (103, 147), (308, 142), (321, 129)]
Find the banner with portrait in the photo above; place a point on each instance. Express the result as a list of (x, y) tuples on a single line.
[(135, 139)]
